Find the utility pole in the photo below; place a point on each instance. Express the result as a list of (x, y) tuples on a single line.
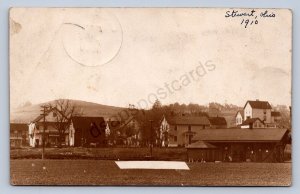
[(44, 110), (151, 138)]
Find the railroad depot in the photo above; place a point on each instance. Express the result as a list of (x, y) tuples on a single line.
[(239, 145)]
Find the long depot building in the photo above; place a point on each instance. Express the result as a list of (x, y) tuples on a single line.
[(239, 145)]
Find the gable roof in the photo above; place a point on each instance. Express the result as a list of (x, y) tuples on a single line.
[(275, 114), (48, 117), (217, 121), (241, 112), (201, 145), (18, 126), (88, 122), (259, 104), (187, 120), (251, 121), (241, 135)]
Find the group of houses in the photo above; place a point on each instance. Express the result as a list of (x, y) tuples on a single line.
[(256, 136), (257, 114), (78, 131)]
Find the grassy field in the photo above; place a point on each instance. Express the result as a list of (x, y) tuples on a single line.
[(105, 172)]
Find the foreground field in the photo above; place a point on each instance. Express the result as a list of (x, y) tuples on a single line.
[(105, 172)]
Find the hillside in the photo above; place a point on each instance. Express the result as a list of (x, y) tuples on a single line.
[(28, 113)]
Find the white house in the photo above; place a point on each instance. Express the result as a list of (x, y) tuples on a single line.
[(258, 109), (239, 117), (164, 129), (52, 137)]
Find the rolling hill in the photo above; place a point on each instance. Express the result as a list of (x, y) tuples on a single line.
[(29, 113)]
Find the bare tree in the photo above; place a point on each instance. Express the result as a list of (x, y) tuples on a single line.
[(64, 110)]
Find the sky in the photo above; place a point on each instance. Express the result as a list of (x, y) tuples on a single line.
[(121, 56)]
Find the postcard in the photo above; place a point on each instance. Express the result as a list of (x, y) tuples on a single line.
[(150, 96)]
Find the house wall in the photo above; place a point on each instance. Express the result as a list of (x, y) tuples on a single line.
[(71, 135), (247, 111), (182, 139), (260, 113), (164, 129), (164, 126), (238, 119)]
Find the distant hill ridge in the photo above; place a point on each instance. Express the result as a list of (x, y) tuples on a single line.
[(27, 113)]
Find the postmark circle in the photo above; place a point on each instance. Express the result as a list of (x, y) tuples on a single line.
[(94, 41)]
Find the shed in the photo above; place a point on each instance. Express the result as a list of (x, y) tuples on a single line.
[(202, 151)]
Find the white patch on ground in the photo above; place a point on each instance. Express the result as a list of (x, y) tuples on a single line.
[(174, 165)]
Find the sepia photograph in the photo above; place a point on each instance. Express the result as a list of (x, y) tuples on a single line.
[(150, 96)]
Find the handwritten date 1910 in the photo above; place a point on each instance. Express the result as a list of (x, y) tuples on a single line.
[(249, 17), (246, 22)]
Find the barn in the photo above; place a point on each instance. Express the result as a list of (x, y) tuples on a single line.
[(87, 131), (239, 145)]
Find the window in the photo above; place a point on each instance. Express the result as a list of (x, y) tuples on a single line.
[(175, 138), (175, 128), (190, 127), (265, 117)]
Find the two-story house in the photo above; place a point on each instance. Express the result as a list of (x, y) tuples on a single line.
[(179, 130), (258, 109), (46, 128)]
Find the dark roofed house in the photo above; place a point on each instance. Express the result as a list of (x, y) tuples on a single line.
[(217, 122), (258, 109), (179, 130), (19, 135), (87, 131), (239, 145)]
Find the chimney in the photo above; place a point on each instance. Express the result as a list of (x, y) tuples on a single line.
[(257, 99)]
